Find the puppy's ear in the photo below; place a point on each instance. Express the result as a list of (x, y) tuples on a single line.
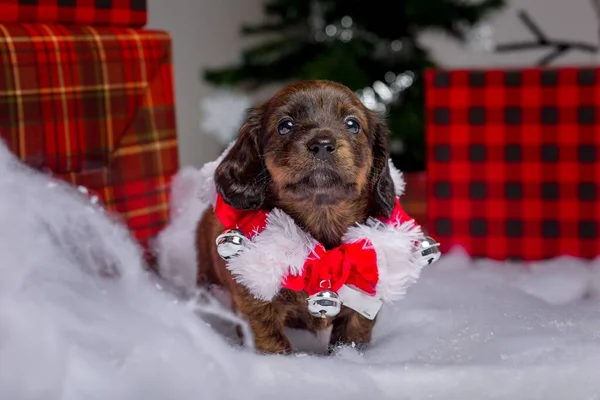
[(383, 193), (242, 178)]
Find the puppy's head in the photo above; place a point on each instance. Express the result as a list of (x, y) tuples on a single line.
[(313, 140)]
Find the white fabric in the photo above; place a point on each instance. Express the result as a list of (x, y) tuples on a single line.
[(394, 245), (279, 250)]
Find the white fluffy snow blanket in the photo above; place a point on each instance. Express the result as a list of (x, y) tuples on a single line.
[(464, 331)]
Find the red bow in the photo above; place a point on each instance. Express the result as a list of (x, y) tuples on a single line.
[(349, 263)]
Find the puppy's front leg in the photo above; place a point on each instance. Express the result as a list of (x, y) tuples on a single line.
[(351, 328), (266, 322)]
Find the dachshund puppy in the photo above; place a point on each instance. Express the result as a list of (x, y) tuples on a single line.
[(316, 152)]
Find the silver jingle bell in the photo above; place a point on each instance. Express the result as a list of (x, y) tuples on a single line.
[(428, 250), (324, 304), (230, 243)]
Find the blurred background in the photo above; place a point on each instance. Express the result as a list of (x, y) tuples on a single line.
[(360, 43), (493, 105)]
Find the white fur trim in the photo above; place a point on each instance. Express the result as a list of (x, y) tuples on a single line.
[(394, 245), (207, 192), (397, 178), (279, 250)]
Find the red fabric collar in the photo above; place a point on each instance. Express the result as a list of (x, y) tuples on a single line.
[(353, 264)]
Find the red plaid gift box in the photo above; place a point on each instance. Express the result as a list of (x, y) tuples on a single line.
[(513, 161), (94, 106), (131, 13)]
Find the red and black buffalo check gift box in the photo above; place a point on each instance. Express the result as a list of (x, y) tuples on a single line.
[(514, 161), (132, 13), (94, 106)]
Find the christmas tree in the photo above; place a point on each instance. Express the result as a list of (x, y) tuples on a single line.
[(370, 46)]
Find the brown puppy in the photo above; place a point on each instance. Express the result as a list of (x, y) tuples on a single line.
[(316, 152)]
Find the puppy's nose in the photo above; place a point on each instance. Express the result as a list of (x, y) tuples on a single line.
[(322, 148)]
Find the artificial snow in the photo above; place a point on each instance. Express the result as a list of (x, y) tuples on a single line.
[(80, 319)]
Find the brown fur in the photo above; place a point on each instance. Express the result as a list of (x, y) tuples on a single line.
[(266, 169)]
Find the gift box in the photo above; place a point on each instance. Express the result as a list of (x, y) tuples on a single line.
[(513, 161), (131, 13), (95, 107)]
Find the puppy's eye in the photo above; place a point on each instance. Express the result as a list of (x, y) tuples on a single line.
[(352, 125), (285, 126)]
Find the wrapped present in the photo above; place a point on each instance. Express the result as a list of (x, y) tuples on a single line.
[(95, 107), (514, 161), (130, 13)]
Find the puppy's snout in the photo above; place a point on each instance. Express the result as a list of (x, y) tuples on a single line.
[(322, 147)]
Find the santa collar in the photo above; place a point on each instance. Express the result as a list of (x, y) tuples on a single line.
[(374, 257), (377, 257)]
